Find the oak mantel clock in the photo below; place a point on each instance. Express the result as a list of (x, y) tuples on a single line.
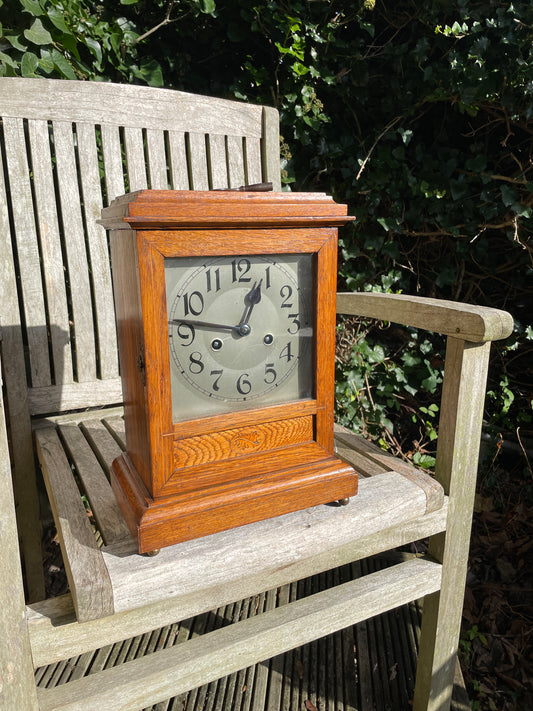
[(225, 307)]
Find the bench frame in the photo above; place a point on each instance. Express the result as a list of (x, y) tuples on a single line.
[(210, 143)]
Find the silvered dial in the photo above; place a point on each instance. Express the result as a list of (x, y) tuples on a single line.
[(240, 331)]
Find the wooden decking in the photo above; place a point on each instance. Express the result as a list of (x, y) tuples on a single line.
[(366, 667)]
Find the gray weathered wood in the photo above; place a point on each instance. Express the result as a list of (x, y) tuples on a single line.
[(131, 581), (28, 250), (358, 450), (51, 252), (197, 158), (103, 503), (55, 633), (57, 328), (16, 389), (244, 643), (302, 537), (93, 596), (101, 103), (178, 160), (100, 272), (112, 158), (135, 161), (74, 396), (157, 160), (270, 154), (77, 265), (456, 468), (466, 321), (17, 687)]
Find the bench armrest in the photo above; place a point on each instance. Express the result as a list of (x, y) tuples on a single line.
[(465, 321)]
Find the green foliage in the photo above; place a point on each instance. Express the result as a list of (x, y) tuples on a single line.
[(418, 115), (80, 39), (380, 383), (469, 638)]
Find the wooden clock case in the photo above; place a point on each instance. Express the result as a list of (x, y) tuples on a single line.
[(182, 480)]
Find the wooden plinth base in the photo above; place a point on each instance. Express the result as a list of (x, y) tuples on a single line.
[(155, 523)]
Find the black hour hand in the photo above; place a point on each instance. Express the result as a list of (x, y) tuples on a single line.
[(253, 298)]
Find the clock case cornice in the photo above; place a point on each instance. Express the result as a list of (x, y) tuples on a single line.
[(186, 209)]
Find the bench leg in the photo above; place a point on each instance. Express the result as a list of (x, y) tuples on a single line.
[(456, 468), (17, 684)]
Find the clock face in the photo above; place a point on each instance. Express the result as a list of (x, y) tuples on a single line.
[(240, 332)]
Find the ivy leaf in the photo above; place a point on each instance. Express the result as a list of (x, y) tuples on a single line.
[(128, 2), (388, 223), (509, 196), (63, 66), (94, 48), (37, 34), (6, 60), (150, 72), (14, 41), (58, 19), (208, 7), (33, 7), (300, 69), (46, 63), (29, 64)]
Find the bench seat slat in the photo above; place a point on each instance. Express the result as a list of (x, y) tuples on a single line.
[(86, 572), (103, 502), (74, 396), (239, 645), (382, 513), (382, 502), (349, 440)]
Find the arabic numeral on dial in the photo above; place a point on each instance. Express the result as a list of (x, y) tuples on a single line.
[(212, 277), (218, 375), (287, 352), (244, 386), (240, 269), (295, 326), (185, 332), (286, 292), (196, 365), (270, 373), (193, 303), (267, 277)]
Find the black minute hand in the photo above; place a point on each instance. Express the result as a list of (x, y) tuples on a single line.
[(206, 324)]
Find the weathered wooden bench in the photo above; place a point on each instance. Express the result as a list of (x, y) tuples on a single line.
[(68, 148)]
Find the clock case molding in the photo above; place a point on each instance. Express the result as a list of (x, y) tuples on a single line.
[(178, 481)]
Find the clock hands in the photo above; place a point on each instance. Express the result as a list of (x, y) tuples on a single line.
[(253, 298), (243, 327)]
